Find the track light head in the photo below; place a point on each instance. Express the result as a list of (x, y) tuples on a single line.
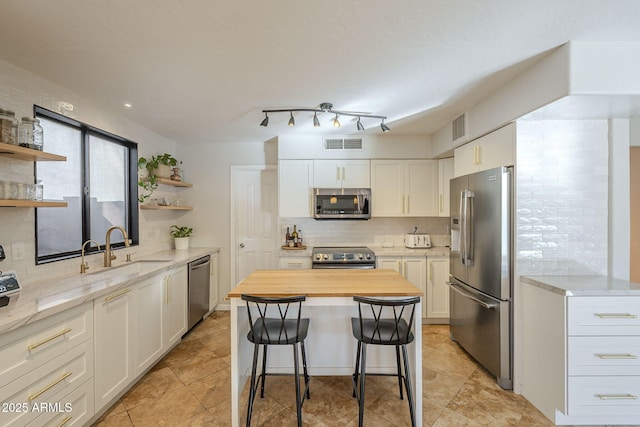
[(359, 124), (336, 122), (265, 121), (326, 107), (292, 121), (316, 122), (384, 127)]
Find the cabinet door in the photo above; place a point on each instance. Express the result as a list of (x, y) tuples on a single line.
[(213, 283), (113, 340), (393, 263), (497, 148), (437, 304), (421, 188), (356, 174), (148, 323), (465, 159), (295, 181), (327, 173), (387, 188), (445, 173), (174, 316), (415, 271)]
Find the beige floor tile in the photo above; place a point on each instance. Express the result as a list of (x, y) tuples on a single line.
[(198, 365), (486, 405), (171, 409), (450, 418), (115, 420), (152, 386), (213, 390), (438, 388)]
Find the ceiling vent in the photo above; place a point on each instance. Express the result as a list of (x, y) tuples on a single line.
[(342, 144), (459, 128)]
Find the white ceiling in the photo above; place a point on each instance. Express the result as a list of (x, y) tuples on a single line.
[(202, 70)]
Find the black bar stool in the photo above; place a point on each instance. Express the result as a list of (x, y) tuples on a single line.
[(282, 328), (387, 325)]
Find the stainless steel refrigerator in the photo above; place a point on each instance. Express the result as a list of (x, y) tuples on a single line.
[(481, 268)]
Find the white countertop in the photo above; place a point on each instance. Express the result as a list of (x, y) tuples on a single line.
[(379, 251), (42, 299), (584, 285)]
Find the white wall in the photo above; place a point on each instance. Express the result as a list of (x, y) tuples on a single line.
[(619, 199), (208, 167), (19, 91)]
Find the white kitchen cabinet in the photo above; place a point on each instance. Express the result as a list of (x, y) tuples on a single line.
[(589, 371), (213, 282), (114, 317), (404, 188), (445, 173), (147, 323), (412, 268), (437, 300), (294, 263), (295, 184), (341, 174), (490, 151), (174, 307)]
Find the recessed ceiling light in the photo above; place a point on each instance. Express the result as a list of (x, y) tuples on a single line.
[(127, 105)]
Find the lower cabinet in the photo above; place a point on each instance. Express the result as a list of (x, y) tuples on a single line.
[(213, 283), (412, 268), (134, 327), (437, 301)]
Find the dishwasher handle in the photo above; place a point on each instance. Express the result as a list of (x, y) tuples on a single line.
[(202, 262)]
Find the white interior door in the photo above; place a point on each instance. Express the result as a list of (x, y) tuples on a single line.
[(254, 213)]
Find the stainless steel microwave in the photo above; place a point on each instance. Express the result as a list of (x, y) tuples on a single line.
[(342, 203)]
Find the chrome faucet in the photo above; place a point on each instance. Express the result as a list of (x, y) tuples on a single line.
[(84, 266), (108, 253)]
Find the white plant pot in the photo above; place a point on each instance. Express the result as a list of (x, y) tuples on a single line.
[(163, 171), (181, 242)]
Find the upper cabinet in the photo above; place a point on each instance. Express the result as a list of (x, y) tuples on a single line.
[(295, 182), (404, 188), (490, 151), (341, 174), (445, 173)]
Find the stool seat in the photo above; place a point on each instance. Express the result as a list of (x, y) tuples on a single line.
[(381, 332), (278, 332)]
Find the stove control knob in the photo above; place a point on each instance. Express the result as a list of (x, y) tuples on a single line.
[(318, 256), (325, 257), (360, 256), (368, 256)]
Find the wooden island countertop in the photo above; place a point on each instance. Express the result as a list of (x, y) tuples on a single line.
[(325, 283)]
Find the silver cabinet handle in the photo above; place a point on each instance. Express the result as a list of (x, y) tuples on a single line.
[(616, 315), (617, 356), (616, 396)]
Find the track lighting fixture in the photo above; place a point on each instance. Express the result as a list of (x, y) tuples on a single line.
[(326, 107)]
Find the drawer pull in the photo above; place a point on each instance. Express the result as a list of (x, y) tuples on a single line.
[(616, 396), (617, 356), (64, 421), (50, 386), (616, 315), (119, 294), (51, 338)]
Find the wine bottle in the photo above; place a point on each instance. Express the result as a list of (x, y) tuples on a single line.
[(300, 238), (294, 236), (287, 238)]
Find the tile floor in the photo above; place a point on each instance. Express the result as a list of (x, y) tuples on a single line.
[(191, 387)]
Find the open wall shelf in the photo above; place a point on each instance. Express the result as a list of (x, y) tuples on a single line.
[(22, 153)]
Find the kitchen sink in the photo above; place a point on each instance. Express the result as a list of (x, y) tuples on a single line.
[(133, 267)]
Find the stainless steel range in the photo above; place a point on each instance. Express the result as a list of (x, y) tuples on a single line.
[(343, 257)]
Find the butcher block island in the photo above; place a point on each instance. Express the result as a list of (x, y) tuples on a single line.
[(331, 348)]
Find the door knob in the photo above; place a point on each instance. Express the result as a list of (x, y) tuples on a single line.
[(242, 245)]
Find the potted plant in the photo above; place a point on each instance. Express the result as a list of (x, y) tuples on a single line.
[(181, 236), (157, 166)]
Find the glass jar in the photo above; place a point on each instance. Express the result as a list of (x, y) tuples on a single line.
[(39, 190), (8, 127), (30, 133)]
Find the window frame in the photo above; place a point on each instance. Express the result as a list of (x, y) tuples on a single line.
[(132, 211)]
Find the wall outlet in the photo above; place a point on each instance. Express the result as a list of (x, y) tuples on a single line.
[(17, 251)]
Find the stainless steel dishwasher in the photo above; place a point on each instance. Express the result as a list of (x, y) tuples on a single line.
[(198, 289)]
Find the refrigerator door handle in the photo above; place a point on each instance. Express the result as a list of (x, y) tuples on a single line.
[(456, 288), (469, 231), (461, 237)]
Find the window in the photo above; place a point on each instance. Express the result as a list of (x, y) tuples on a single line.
[(98, 181)]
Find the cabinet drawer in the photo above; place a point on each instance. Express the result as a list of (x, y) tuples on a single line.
[(44, 384), (290, 263), (593, 396), (604, 316), (604, 355), (75, 409), (28, 347)]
